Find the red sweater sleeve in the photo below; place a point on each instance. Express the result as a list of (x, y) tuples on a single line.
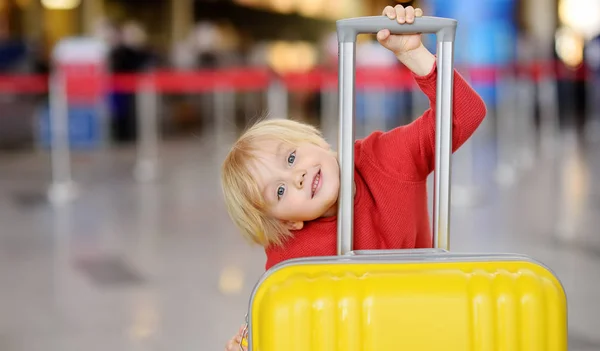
[(409, 150)]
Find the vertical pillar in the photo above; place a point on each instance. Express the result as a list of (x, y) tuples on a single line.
[(542, 30), (32, 19), (4, 18), (541, 27), (92, 11), (182, 19)]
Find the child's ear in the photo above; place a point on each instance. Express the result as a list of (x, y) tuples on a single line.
[(294, 225)]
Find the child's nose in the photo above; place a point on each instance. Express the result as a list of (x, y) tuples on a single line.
[(300, 179)]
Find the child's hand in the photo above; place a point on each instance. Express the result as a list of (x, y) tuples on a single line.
[(408, 48), (234, 343), (400, 43)]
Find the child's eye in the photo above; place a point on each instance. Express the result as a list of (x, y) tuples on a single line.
[(291, 158), (280, 192)]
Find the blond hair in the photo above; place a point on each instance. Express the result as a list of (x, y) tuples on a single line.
[(243, 198)]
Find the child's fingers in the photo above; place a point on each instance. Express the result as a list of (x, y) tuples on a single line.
[(418, 12), (389, 12), (410, 14), (231, 346), (382, 35), (400, 14), (234, 344), (238, 342)]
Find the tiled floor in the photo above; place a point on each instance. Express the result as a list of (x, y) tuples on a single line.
[(158, 266)]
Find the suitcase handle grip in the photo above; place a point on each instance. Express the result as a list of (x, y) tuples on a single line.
[(349, 28)]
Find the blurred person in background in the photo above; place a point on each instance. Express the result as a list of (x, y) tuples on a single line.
[(206, 37), (208, 46), (17, 56), (129, 54), (13, 51), (197, 51), (107, 32), (592, 61)]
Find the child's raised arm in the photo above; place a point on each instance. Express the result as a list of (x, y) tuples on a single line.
[(408, 151)]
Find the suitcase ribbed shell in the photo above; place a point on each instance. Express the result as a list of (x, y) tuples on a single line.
[(440, 305)]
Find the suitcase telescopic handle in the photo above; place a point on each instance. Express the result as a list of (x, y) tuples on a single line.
[(347, 31)]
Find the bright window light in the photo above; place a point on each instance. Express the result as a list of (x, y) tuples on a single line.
[(581, 15)]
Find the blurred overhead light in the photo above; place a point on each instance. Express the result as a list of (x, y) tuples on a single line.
[(61, 4), (310, 8), (306, 56), (285, 57), (231, 281), (581, 15), (146, 318), (280, 56), (332, 10), (569, 46), (283, 6)]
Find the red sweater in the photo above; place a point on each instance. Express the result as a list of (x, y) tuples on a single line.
[(391, 169)]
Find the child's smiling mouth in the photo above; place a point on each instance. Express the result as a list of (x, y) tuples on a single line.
[(315, 183)]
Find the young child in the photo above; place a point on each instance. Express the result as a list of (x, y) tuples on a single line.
[(281, 179)]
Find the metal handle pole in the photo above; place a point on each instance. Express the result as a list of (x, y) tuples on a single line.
[(347, 30), (346, 82), (443, 144)]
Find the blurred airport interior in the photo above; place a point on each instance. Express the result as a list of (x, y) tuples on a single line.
[(116, 115)]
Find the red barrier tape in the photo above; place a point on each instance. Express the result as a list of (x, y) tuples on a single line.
[(12, 84), (253, 79), (366, 78), (235, 79)]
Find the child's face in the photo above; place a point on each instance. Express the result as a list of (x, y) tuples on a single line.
[(298, 183)]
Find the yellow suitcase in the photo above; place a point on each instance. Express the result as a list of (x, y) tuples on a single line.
[(428, 299)]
